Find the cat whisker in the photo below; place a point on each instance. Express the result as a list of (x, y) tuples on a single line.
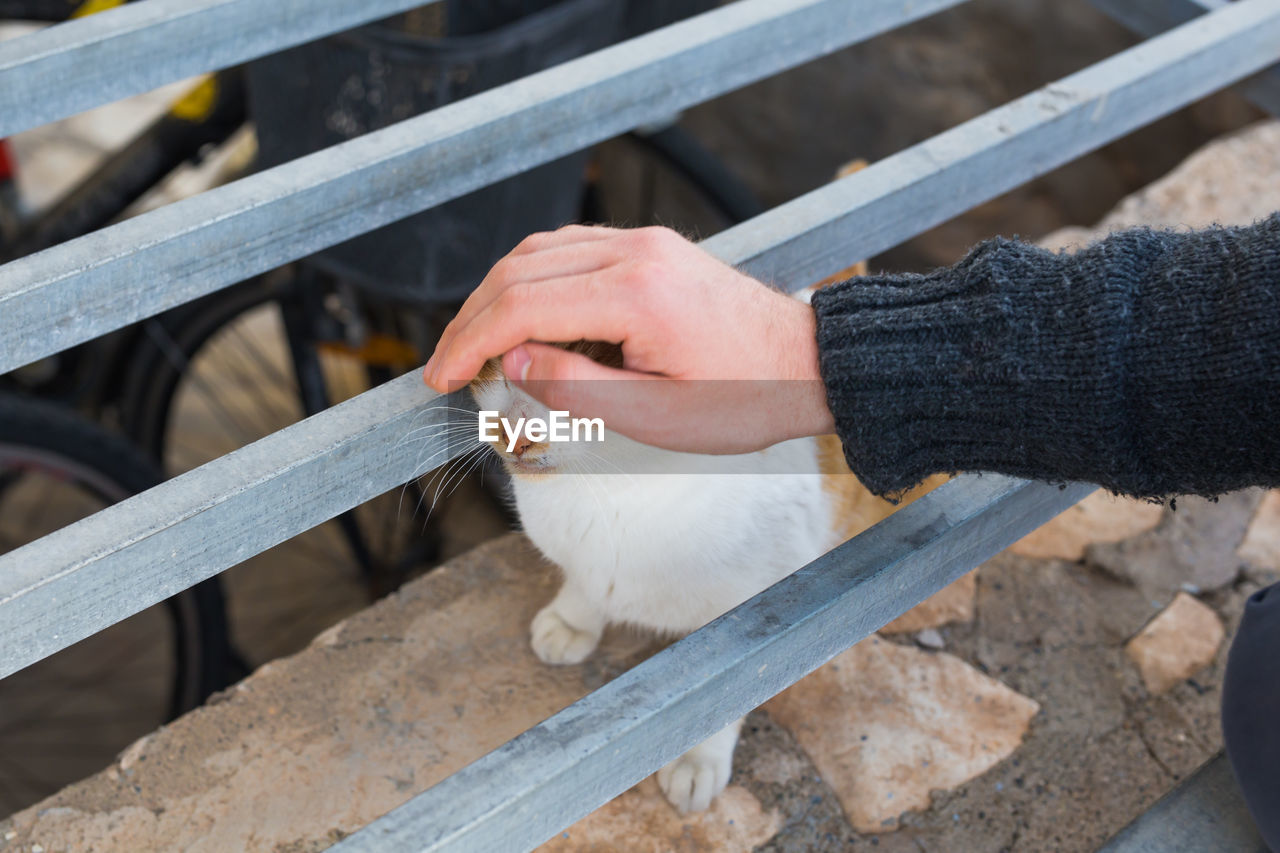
[(450, 471), (448, 434), (597, 457), (440, 476), (598, 497), (453, 443), (423, 466), (467, 462), (435, 411), (431, 430), (431, 410)]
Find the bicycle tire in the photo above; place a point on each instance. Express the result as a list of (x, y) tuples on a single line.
[(212, 376), (44, 443)]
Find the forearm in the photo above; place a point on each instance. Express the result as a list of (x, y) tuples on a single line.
[(1148, 363)]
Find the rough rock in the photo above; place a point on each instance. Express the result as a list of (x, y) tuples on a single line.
[(1177, 644), (1223, 183), (313, 746), (1101, 517), (1193, 547), (772, 765), (931, 638), (886, 724), (953, 603), (641, 821), (1101, 750), (1261, 545)]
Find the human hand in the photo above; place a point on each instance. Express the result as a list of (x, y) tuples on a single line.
[(713, 360)]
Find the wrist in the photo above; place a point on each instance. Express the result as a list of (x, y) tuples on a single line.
[(804, 410)]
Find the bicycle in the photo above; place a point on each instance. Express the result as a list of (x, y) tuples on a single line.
[(209, 377), (68, 715)]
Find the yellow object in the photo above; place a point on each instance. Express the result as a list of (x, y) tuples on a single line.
[(93, 7), (376, 351), (197, 103)]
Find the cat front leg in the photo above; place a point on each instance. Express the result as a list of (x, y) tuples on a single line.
[(693, 780), (568, 629)]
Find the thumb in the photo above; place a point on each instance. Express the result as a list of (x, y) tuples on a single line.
[(572, 382)]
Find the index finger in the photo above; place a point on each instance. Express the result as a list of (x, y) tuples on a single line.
[(557, 311)]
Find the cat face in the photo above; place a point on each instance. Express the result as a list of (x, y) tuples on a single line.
[(526, 458)]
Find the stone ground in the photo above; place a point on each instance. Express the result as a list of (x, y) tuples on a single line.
[(1038, 705), (311, 746)]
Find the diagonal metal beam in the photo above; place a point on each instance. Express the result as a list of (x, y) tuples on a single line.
[(111, 278), (525, 791), (1152, 17), (127, 557), (87, 576), (903, 195), (72, 66)]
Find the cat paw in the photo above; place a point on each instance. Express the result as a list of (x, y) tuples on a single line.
[(555, 641), (693, 780)]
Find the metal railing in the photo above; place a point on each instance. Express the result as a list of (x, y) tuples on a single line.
[(76, 581), (144, 45)]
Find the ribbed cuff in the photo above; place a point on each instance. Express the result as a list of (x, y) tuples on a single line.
[(1147, 363), (976, 367)]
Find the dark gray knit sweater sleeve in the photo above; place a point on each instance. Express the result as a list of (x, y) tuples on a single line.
[(1148, 363)]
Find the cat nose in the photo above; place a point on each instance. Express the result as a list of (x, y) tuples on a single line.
[(522, 442)]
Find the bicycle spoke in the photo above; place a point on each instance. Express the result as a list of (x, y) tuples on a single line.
[(229, 420), (243, 362), (274, 387), (65, 716), (275, 372), (174, 356)]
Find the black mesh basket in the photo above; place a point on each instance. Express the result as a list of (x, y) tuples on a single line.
[(644, 15), (326, 92)]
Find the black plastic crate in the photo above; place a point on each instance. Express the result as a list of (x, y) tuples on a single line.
[(337, 88), (341, 87)]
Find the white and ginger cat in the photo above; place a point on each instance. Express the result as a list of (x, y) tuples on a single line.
[(669, 551)]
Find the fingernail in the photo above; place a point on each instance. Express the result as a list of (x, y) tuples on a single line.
[(520, 361)]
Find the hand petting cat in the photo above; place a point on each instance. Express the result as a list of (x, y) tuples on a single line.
[(679, 315)]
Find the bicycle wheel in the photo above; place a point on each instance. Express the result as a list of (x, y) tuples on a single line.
[(68, 715), (226, 371)]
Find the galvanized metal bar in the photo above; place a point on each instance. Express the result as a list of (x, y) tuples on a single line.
[(91, 562), (119, 275), (559, 771), (72, 66), (824, 231), (1147, 18), (1152, 17), (78, 580)]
